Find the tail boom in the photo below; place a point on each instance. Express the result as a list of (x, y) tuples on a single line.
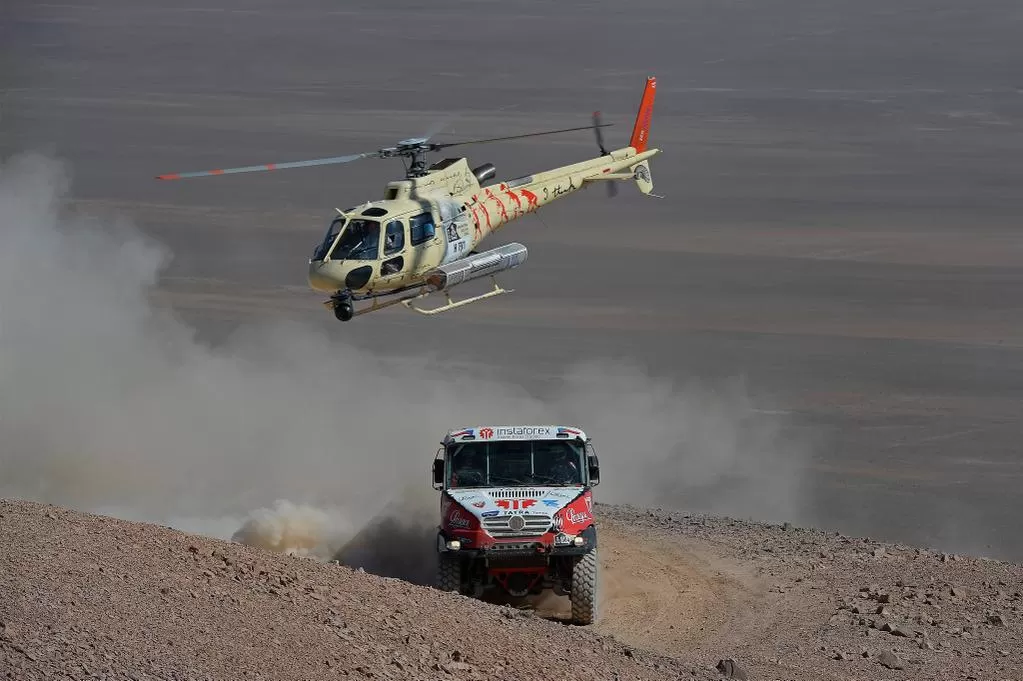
[(494, 205)]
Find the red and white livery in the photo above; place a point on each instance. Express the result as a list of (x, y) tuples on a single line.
[(517, 513)]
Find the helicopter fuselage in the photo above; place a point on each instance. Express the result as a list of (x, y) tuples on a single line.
[(387, 246), (424, 233)]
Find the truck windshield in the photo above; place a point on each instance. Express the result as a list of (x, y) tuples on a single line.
[(515, 463)]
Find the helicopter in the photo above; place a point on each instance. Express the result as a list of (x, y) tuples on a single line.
[(421, 239)]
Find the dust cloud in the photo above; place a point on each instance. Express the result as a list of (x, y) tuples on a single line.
[(284, 437)]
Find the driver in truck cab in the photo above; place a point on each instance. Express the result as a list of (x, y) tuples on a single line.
[(468, 468), (561, 469)]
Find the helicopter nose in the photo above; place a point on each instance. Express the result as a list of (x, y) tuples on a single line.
[(323, 276), (331, 275)]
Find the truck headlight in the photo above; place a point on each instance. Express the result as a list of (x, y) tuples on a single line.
[(579, 541), (453, 545)]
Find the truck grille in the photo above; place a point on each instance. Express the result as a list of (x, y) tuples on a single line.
[(532, 525), (516, 493)]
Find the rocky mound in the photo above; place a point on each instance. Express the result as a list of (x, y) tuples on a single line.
[(93, 597), (797, 603)]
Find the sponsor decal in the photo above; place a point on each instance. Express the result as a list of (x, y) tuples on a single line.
[(558, 522), (518, 431), (457, 519), (553, 503), (562, 539), (577, 517), (515, 504), (589, 504), (489, 514), (479, 504)]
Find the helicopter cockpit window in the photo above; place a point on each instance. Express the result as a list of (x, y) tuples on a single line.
[(394, 237), (422, 228), (360, 241), (328, 240)]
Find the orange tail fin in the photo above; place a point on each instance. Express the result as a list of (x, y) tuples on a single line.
[(641, 130)]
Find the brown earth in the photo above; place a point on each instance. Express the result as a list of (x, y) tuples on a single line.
[(792, 603), (87, 596)]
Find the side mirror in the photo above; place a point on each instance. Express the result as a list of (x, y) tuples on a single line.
[(438, 473), (592, 465)]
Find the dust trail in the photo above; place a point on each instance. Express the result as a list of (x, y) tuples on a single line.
[(111, 404), (298, 530)]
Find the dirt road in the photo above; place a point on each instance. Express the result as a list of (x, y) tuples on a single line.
[(666, 596), (669, 596)]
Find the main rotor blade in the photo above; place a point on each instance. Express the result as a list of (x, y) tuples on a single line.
[(268, 166), (515, 137)]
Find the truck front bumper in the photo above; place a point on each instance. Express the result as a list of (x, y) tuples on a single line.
[(547, 545)]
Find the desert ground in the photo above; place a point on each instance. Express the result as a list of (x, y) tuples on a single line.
[(683, 597), (817, 325)]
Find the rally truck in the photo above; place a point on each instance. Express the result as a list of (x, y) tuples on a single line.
[(517, 513)]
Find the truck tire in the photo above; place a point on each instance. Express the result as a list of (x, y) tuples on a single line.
[(584, 589), (449, 573)]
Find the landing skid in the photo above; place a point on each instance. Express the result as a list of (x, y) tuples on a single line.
[(451, 305), (344, 301)]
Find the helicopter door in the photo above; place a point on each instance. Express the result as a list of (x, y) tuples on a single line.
[(394, 268), (427, 243)]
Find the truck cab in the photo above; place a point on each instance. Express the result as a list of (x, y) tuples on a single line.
[(516, 513)]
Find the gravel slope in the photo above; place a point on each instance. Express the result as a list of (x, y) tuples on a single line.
[(793, 603), (92, 597), (85, 595)]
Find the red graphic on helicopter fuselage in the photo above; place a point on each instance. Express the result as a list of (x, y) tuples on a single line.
[(486, 213), (478, 229), (531, 202), (518, 202), (500, 206)]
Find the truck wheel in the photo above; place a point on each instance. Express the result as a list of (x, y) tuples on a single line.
[(449, 573), (584, 589)]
